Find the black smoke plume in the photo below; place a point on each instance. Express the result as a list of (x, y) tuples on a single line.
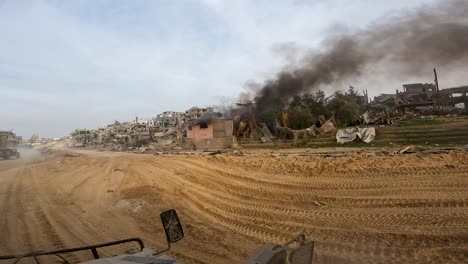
[(406, 44)]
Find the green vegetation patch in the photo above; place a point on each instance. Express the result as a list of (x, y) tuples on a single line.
[(421, 122)]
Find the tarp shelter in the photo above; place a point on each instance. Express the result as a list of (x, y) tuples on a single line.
[(366, 134)]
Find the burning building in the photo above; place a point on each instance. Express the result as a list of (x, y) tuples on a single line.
[(210, 132)]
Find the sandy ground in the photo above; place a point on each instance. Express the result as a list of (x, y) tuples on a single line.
[(359, 208)]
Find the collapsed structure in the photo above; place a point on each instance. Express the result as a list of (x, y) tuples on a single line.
[(425, 98), (246, 127), (204, 129), (167, 130), (196, 128)]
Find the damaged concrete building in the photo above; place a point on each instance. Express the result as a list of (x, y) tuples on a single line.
[(196, 112), (211, 132), (425, 96), (417, 92), (168, 119), (167, 130), (454, 97)]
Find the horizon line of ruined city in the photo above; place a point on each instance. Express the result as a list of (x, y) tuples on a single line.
[(303, 118)]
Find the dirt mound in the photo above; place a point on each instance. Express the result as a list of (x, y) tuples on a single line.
[(359, 207)]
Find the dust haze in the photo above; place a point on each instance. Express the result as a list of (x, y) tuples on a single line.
[(29, 153)]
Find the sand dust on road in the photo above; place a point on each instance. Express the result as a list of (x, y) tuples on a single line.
[(359, 209)]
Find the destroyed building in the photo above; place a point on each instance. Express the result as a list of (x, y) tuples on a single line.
[(203, 129), (196, 112), (411, 93), (82, 137), (171, 119), (211, 131), (454, 96), (418, 88), (168, 119), (167, 130), (425, 95), (362, 100), (382, 98), (417, 93), (143, 121)]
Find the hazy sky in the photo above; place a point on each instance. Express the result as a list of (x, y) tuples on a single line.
[(82, 64)]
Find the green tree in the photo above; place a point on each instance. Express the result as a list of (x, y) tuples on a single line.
[(343, 108), (269, 115), (300, 117), (297, 101), (304, 110), (316, 104)]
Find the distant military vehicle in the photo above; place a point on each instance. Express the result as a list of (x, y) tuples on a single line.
[(8, 145), (302, 253)]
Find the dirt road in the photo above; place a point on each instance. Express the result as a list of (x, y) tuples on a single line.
[(358, 208)]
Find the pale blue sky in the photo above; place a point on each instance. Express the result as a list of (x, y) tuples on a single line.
[(83, 64)]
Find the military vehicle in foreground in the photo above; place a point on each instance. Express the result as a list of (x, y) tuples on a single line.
[(8, 145), (295, 251)]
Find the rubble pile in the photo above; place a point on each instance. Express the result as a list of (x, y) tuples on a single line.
[(127, 136), (416, 100), (202, 128)]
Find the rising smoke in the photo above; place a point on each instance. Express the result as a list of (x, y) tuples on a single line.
[(405, 44)]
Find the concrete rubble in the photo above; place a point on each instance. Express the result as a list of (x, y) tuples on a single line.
[(204, 129), (167, 131), (415, 100)]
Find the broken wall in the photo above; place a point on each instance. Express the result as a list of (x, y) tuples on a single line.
[(221, 135), (197, 133)]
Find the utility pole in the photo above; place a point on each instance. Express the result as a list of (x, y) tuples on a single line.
[(437, 87)]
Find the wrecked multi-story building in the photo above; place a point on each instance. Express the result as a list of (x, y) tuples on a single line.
[(168, 119), (143, 121), (196, 112), (425, 96), (427, 93), (172, 119), (411, 93), (384, 98), (417, 92), (454, 96)]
